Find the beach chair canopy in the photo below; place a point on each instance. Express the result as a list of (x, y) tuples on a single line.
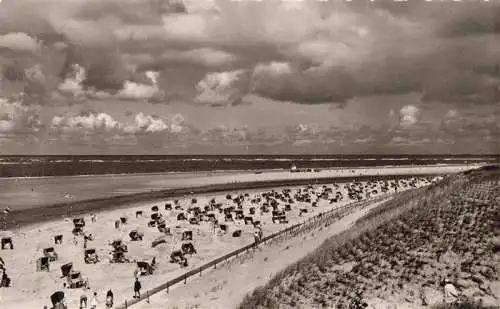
[(57, 297), (75, 275), (48, 250), (66, 269), (89, 251), (142, 264), (154, 208)]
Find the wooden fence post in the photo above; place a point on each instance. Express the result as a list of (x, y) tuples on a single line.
[(126, 306), (185, 277)]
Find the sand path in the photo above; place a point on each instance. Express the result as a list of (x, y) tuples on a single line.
[(225, 287)]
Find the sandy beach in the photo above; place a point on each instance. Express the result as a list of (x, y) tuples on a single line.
[(25, 193), (31, 289)]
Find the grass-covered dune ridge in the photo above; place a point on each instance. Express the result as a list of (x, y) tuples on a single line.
[(399, 253)]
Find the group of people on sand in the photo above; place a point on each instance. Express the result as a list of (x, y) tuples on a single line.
[(94, 302)]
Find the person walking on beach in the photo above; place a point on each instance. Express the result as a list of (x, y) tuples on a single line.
[(83, 300), (137, 288), (109, 299), (93, 301), (256, 237)]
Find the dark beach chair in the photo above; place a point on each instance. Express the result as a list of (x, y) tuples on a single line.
[(135, 235), (43, 264), (77, 231), (154, 208), (188, 248), (237, 233), (7, 241), (50, 253), (90, 256), (145, 268), (79, 222), (239, 215), (138, 213), (187, 235), (223, 227), (58, 239), (177, 257), (162, 228)]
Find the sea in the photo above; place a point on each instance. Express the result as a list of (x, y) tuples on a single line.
[(69, 165)]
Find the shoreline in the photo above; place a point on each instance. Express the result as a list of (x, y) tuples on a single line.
[(30, 216), (237, 171)]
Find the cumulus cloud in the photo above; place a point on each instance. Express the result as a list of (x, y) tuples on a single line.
[(103, 123), (153, 124), (409, 115), (16, 118), (222, 87), (86, 123), (18, 41), (147, 123), (452, 113), (73, 84), (204, 57), (335, 50)]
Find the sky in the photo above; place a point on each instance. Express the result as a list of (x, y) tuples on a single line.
[(249, 77)]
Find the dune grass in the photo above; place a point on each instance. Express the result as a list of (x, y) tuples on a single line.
[(392, 246)]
